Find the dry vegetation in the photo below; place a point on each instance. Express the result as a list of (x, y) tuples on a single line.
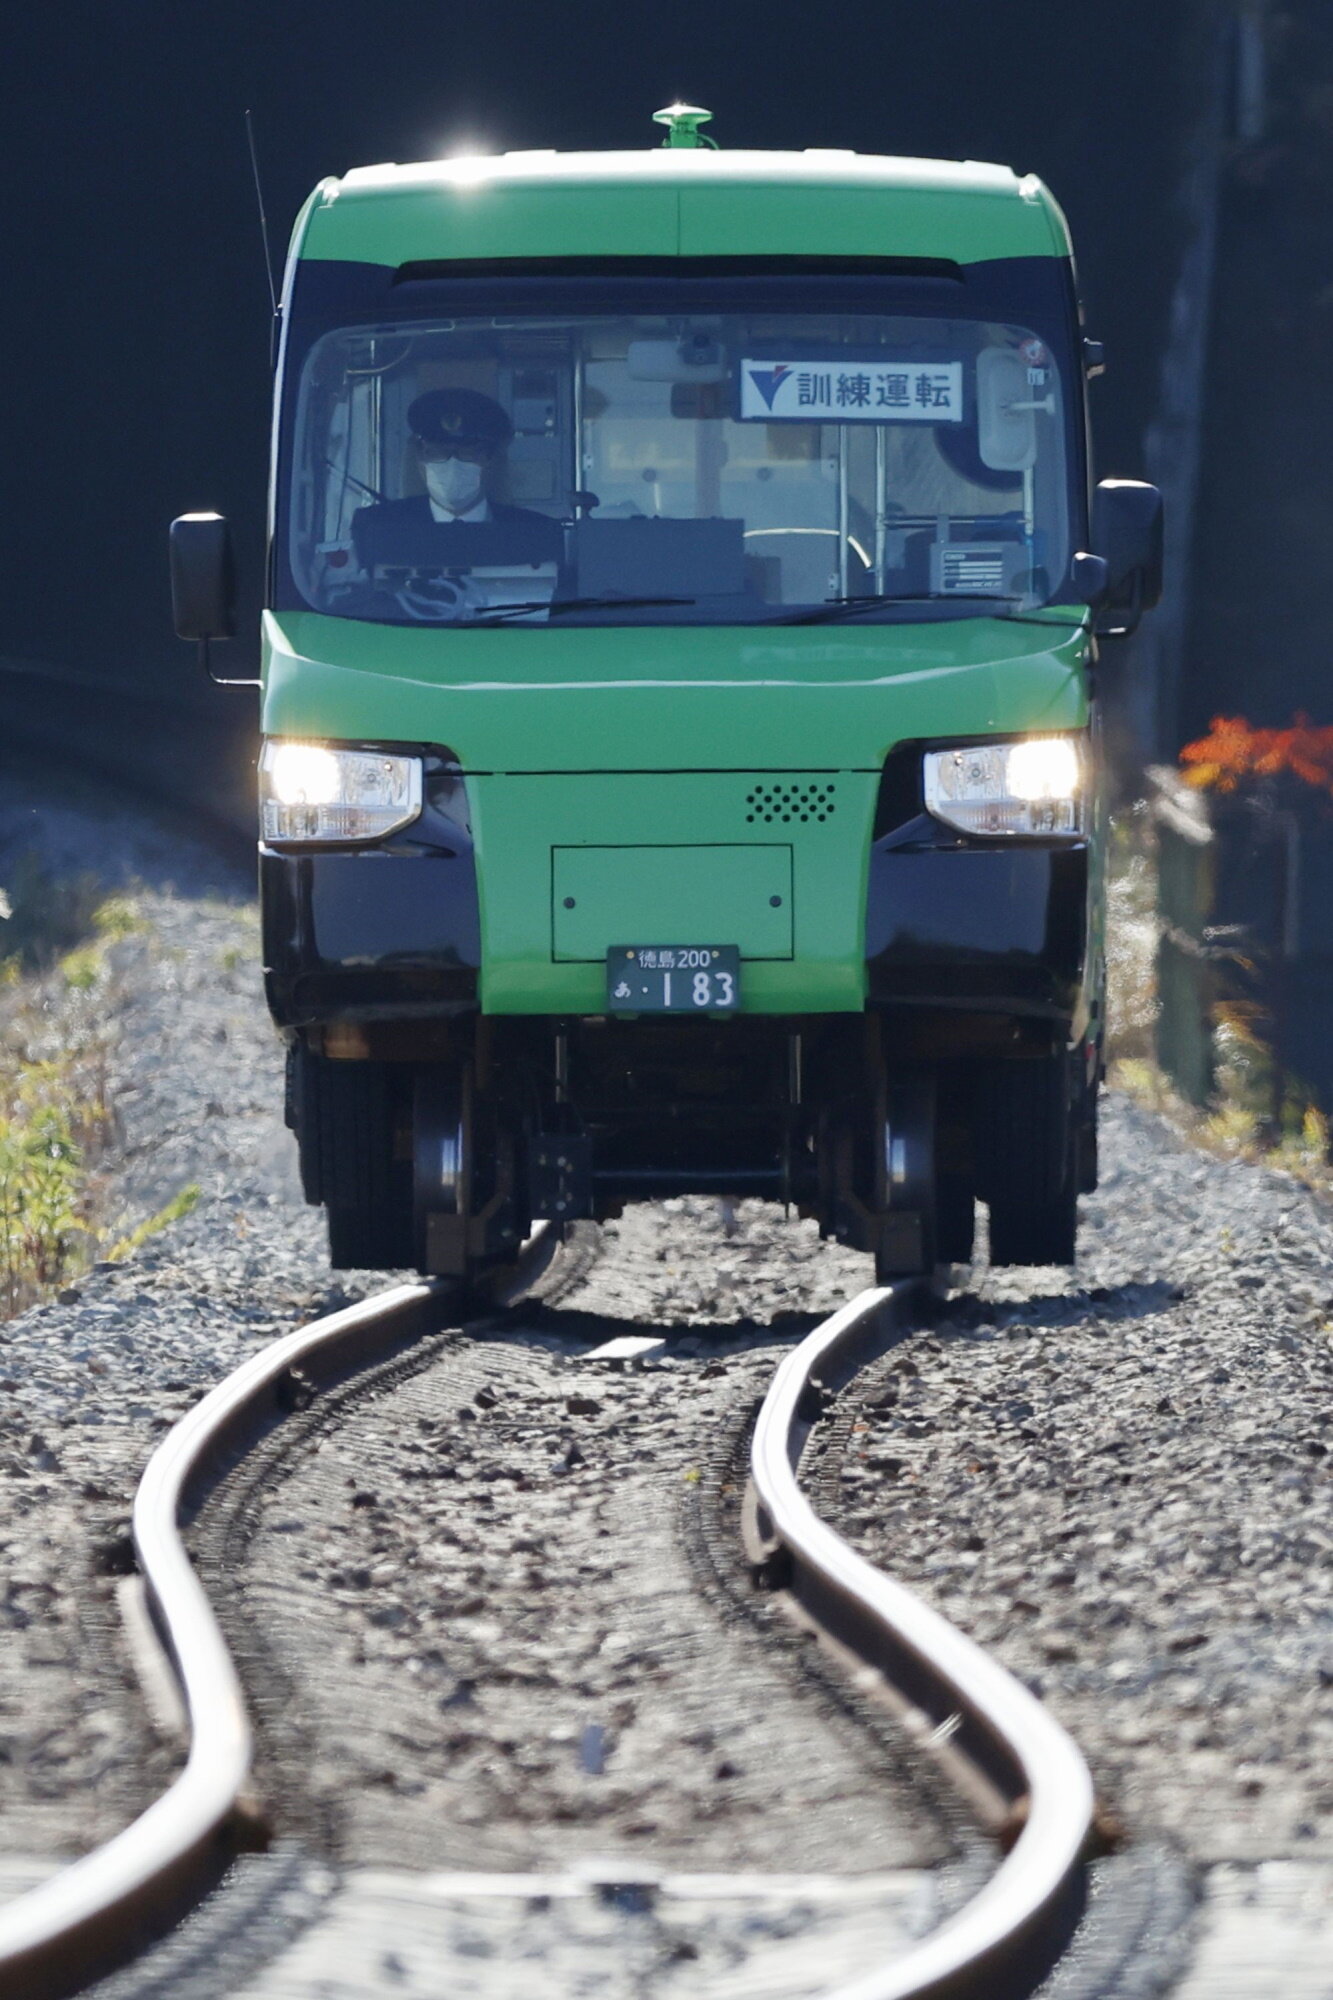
[(57, 1119)]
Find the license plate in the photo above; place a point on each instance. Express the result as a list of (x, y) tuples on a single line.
[(673, 979)]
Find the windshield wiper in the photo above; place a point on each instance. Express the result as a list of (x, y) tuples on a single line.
[(834, 608), (563, 604), (559, 606)]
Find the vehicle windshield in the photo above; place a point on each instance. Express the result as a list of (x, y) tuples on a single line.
[(719, 467)]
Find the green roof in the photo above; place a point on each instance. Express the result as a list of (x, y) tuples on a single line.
[(681, 202)]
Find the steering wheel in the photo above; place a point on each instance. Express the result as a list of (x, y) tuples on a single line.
[(440, 598)]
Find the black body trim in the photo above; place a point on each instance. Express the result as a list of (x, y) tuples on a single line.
[(455, 270), (956, 924), (386, 933)]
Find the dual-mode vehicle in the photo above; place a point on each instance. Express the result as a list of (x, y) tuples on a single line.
[(680, 760)]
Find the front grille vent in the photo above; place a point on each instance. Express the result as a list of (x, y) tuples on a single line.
[(781, 804)]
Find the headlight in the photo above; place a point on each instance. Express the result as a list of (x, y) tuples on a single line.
[(1033, 788), (308, 791)]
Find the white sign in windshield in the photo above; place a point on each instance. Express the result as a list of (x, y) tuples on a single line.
[(852, 392)]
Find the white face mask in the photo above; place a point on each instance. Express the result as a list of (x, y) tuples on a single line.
[(453, 484)]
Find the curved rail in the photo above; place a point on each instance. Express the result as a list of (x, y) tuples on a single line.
[(1003, 1938), (73, 1925), (97, 1910)]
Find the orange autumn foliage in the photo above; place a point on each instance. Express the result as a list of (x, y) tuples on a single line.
[(1233, 750)]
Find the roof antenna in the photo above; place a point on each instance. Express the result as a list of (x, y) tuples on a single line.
[(263, 218)]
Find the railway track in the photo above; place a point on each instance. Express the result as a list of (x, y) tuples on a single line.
[(1017, 1768), (1020, 1768)]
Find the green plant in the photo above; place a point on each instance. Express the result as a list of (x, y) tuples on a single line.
[(54, 1115), (118, 917), (41, 1165), (79, 969), (181, 1203)]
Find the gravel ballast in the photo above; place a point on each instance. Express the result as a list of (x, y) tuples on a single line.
[(505, 1601), (1118, 1480), (1121, 1485), (89, 1382)]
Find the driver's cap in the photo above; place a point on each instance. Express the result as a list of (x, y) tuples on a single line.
[(459, 416)]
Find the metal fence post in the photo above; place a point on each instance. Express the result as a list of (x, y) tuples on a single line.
[(1186, 894)]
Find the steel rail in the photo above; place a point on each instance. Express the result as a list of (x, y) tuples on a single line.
[(1003, 1939), (98, 1909), (95, 1912)]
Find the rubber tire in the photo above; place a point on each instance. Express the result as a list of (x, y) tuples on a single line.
[(1026, 1156), (955, 1219), (1035, 1232), (345, 1115), (370, 1239), (1086, 1145)]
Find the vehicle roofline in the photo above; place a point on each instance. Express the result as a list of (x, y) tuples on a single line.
[(828, 166)]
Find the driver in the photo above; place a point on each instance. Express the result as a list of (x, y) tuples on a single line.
[(458, 436)]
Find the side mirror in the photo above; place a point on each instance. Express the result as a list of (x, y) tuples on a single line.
[(1127, 531), (203, 577), (203, 585)]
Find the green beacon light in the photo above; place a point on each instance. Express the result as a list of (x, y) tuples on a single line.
[(682, 122)]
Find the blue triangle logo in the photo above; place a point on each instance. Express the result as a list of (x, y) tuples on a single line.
[(769, 380)]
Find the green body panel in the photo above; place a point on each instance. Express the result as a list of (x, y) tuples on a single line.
[(682, 203), (671, 698), (685, 869), (737, 892), (769, 220), (656, 737), (538, 221)]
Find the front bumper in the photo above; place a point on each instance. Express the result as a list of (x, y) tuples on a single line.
[(377, 936), (395, 933), (369, 936), (954, 924)]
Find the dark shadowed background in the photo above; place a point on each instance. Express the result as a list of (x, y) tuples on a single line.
[(137, 358), (136, 336)]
